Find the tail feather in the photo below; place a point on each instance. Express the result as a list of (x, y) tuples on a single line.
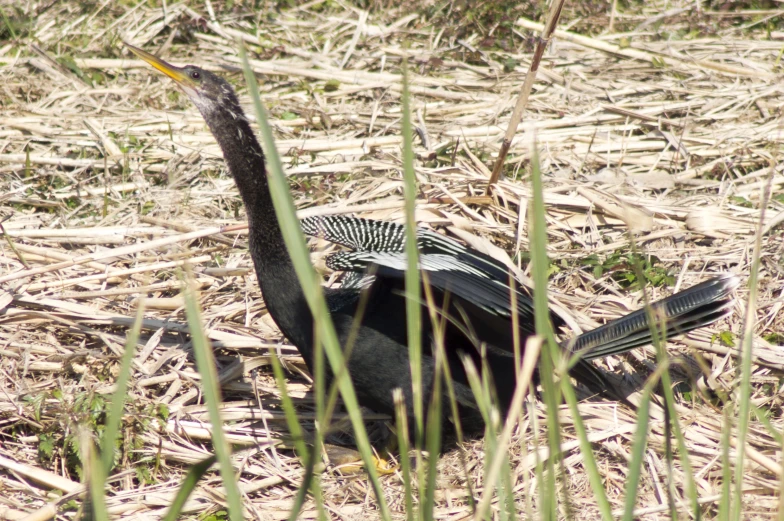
[(680, 313)]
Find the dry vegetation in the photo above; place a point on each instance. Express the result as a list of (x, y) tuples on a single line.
[(667, 126)]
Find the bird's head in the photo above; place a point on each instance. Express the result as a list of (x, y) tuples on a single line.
[(206, 90)]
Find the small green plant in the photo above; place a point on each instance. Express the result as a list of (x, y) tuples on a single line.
[(725, 338), (144, 474), (741, 201), (90, 409), (37, 401), (220, 515), (47, 445), (510, 64), (70, 506), (69, 63), (57, 443), (620, 266), (147, 207)]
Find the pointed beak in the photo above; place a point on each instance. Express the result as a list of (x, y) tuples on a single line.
[(168, 69)]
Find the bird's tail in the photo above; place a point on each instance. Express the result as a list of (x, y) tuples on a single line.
[(680, 313)]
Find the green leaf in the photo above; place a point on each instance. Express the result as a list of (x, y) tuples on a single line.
[(510, 64), (46, 446), (727, 338)]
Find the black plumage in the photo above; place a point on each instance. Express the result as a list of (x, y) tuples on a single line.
[(471, 289)]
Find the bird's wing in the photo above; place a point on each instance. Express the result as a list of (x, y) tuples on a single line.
[(447, 273), (368, 235), (357, 280), (481, 281), (356, 233)]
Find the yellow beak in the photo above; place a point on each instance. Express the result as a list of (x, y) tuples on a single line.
[(175, 73)]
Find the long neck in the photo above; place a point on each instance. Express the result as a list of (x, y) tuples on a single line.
[(277, 278)]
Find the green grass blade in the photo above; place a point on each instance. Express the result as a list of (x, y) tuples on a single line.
[(403, 448), (475, 383), (205, 362), (439, 329), (435, 416), (433, 442), (551, 354), (638, 449), (10, 241), (763, 416), (479, 387), (311, 285), (725, 503), (289, 410), (307, 481), (309, 459), (188, 485), (589, 461), (683, 451), (116, 408), (747, 355), (491, 437), (96, 477), (539, 469), (413, 309), (499, 461), (323, 416), (659, 340)]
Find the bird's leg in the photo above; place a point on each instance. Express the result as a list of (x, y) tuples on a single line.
[(347, 460)]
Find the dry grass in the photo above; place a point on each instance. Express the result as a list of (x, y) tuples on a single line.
[(111, 176)]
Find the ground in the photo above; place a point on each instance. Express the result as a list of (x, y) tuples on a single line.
[(660, 122)]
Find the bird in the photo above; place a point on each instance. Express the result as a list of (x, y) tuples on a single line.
[(471, 291)]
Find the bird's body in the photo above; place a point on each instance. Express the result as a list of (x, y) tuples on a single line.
[(470, 289)]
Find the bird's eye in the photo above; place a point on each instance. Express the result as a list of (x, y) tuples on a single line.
[(195, 75)]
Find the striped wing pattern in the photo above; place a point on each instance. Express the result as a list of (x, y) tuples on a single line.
[(449, 265)]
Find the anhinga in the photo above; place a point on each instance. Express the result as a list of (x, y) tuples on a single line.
[(474, 288)]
